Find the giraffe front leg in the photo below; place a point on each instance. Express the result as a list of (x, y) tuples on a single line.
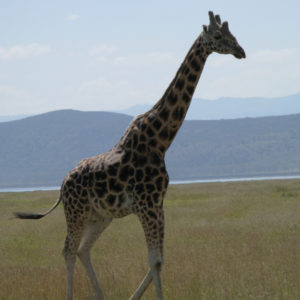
[(155, 262), (153, 225)]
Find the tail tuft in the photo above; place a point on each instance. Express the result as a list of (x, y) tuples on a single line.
[(21, 215), (36, 216)]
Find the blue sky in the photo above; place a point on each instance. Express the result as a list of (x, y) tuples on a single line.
[(109, 55)]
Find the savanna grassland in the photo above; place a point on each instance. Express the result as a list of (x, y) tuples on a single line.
[(223, 241)]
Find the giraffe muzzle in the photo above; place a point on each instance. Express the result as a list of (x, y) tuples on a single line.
[(240, 53)]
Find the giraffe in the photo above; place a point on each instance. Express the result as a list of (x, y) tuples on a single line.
[(132, 178)]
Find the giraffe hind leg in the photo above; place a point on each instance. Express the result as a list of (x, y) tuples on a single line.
[(80, 239), (142, 287), (91, 233), (70, 251)]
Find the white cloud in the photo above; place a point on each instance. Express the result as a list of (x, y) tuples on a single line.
[(102, 53), (102, 49), (107, 53), (73, 17), (23, 51)]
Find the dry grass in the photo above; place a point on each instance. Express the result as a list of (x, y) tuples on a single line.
[(223, 241)]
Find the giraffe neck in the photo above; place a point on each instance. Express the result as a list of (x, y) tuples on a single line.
[(157, 127), (171, 109)]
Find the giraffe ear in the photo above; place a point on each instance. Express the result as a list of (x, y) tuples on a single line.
[(205, 28)]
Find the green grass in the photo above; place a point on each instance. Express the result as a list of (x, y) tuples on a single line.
[(223, 241)]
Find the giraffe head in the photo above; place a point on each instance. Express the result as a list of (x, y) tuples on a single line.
[(220, 39)]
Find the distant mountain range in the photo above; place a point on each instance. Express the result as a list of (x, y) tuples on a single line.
[(233, 108), (222, 108), (40, 150)]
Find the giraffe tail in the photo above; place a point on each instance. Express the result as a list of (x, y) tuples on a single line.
[(36, 216)]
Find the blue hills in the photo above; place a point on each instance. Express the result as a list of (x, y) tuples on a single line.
[(40, 150)]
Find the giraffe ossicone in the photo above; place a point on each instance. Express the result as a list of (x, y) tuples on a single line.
[(132, 178)]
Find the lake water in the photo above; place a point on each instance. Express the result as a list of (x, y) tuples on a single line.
[(53, 188)]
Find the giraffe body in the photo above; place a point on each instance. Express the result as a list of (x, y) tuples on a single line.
[(132, 177), (128, 179), (125, 180)]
